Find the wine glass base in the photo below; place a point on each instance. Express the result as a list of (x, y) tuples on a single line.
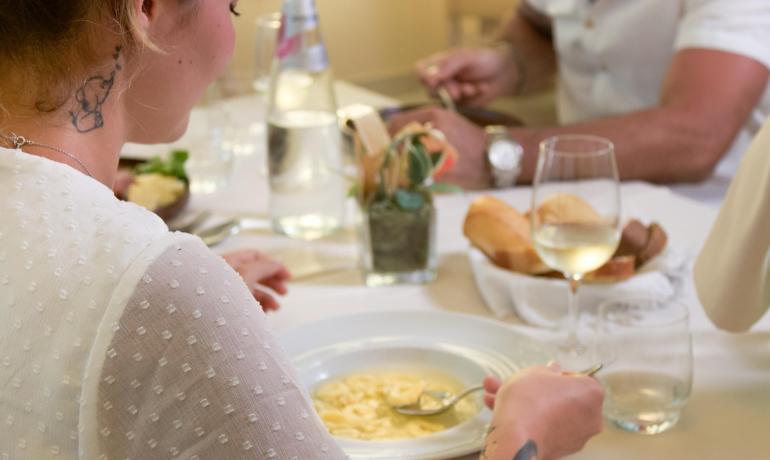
[(645, 426), (573, 355)]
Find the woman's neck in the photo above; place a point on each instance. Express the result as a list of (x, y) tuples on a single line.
[(89, 127)]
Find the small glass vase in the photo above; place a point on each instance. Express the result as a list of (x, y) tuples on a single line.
[(398, 246)]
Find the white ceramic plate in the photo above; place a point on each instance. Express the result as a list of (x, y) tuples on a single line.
[(463, 346)]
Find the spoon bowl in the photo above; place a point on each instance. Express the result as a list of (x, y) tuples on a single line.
[(218, 233), (448, 401)]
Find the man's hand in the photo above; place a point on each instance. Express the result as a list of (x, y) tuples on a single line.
[(473, 76), (471, 170), (558, 413), (258, 271)]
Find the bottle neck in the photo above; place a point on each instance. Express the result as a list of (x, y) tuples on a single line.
[(300, 44), (302, 10)]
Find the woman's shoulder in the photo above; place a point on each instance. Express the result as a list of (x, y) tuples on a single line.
[(71, 217)]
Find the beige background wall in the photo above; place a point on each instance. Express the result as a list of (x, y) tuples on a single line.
[(367, 39), (375, 43)]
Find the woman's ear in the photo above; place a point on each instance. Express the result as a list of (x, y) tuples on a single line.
[(145, 9)]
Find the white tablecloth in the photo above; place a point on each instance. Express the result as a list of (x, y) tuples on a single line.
[(728, 416)]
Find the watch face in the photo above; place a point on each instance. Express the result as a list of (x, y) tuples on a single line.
[(505, 155)]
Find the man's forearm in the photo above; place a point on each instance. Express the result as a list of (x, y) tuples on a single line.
[(705, 100), (526, 33), (657, 145)]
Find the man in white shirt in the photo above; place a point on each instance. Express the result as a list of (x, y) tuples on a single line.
[(680, 86)]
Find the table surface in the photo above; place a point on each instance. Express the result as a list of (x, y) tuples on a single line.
[(728, 414)]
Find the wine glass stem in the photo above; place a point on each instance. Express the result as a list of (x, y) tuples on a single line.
[(573, 318)]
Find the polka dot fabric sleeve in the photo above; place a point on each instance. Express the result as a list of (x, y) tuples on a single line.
[(193, 373)]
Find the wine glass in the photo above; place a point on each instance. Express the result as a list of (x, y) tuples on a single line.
[(575, 221), (266, 37)]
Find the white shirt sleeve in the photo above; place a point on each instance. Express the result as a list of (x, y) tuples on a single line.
[(193, 373), (736, 26), (732, 273)]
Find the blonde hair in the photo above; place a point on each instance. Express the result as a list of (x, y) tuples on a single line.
[(47, 47)]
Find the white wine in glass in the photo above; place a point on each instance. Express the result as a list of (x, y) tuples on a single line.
[(575, 221), (576, 248)]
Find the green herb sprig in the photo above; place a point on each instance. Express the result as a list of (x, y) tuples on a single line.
[(174, 166), (419, 172)]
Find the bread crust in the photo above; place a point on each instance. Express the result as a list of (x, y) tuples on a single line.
[(656, 243), (503, 234), (563, 208), (633, 239)]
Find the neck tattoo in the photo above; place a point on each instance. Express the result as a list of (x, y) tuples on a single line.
[(90, 98)]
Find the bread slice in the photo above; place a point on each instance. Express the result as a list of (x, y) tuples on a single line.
[(618, 268), (656, 243), (633, 239), (503, 234), (563, 208)]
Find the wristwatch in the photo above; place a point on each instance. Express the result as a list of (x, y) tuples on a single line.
[(504, 156)]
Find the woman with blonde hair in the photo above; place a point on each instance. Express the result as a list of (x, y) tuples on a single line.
[(119, 338)]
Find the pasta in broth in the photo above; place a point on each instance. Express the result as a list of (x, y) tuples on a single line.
[(359, 406)]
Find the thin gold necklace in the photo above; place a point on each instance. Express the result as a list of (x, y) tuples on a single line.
[(20, 141)]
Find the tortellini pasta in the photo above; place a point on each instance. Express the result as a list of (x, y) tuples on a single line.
[(359, 406)]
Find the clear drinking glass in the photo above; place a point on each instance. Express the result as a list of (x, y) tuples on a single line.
[(646, 349), (234, 95), (210, 165), (266, 37), (575, 222)]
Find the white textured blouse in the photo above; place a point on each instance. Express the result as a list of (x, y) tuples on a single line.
[(121, 340)]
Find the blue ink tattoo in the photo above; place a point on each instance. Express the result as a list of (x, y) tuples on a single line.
[(527, 452), (91, 97)]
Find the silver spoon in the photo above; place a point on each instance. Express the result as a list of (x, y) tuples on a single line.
[(448, 403), (191, 224), (590, 372), (214, 235)]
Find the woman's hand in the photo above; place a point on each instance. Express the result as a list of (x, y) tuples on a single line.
[(540, 406), (260, 271)]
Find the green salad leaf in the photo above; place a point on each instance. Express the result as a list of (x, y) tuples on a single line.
[(174, 166)]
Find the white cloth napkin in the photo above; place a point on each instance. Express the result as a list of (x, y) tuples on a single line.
[(542, 302)]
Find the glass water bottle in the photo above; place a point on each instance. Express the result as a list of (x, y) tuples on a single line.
[(307, 184)]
